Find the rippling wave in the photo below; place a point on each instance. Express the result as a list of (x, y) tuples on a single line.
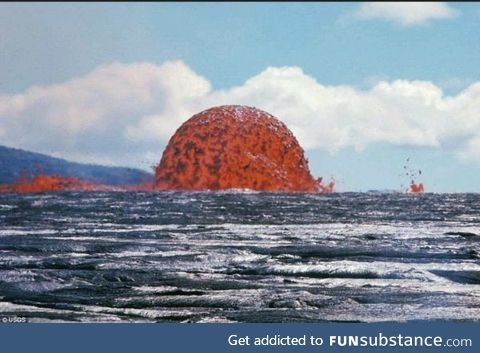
[(240, 257)]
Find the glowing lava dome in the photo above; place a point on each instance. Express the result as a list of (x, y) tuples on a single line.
[(235, 147)]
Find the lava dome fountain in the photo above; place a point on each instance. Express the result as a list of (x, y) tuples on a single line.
[(235, 147)]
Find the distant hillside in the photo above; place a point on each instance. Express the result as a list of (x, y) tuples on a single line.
[(15, 162)]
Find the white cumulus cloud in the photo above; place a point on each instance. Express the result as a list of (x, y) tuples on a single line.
[(91, 118), (406, 13), (124, 114)]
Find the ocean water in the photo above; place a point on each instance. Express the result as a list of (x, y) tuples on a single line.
[(240, 257)]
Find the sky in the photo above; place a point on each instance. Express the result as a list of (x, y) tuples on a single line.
[(363, 86)]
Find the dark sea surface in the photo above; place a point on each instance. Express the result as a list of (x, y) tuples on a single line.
[(240, 257)]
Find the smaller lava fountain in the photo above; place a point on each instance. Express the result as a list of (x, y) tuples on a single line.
[(414, 187)]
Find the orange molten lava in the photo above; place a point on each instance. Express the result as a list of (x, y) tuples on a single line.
[(414, 187), (45, 183), (235, 147), (50, 183)]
